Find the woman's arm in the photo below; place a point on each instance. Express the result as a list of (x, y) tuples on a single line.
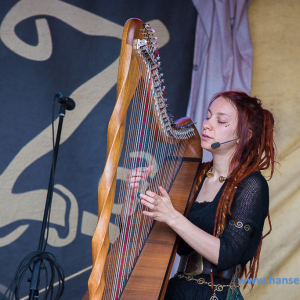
[(242, 234), (250, 208)]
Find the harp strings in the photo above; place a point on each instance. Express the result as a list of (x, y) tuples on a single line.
[(131, 213), (122, 190), (114, 265), (145, 145), (124, 245)]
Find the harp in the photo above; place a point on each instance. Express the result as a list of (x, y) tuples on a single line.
[(137, 264)]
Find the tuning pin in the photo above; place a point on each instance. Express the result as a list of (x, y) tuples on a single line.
[(162, 105), (155, 79), (161, 74), (162, 80), (159, 94)]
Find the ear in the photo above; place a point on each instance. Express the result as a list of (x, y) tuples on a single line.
[(249, 134)]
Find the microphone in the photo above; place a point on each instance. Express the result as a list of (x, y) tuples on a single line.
[(217, 144), (69, 102)]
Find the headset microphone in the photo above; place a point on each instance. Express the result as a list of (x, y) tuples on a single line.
[(217, 144)]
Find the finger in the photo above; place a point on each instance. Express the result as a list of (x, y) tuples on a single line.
[(149, 205), (163, 192), (145, 172), (147, 198), (144, 169), (136, 174), (137, 171), (153, 195), (136, 179), (151, 168), (134, 184), (148, 213), (140, 175), (148, 170)]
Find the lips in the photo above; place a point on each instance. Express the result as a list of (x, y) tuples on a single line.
[(206, 136)]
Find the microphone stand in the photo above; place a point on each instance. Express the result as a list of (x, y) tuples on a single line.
[(35, 276)]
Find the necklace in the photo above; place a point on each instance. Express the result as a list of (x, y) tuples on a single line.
[(210, 174)]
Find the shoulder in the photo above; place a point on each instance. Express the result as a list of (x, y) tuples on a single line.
[(255, 182), (253, 193)]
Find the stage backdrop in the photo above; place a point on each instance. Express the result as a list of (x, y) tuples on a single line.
[(274, 27), (72, 47)]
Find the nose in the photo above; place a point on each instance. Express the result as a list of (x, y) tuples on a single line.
[(207, 124)]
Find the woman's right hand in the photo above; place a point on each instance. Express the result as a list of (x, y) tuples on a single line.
[(139, 175)]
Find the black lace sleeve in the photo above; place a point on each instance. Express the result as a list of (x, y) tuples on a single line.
[(241, 236)]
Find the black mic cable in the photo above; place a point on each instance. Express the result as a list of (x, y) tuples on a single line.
[(217, 144)]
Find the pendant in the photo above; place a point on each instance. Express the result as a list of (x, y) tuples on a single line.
[(222, 179), (209, 174)]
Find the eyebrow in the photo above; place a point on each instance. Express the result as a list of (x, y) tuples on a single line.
[(220, 113)]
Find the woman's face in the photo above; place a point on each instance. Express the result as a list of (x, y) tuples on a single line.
[(220, 126)]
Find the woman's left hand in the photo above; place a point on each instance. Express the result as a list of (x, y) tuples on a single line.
[(161, 207)]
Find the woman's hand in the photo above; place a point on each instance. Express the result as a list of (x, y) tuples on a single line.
[(161, 207), (162, 210), (138, 175)]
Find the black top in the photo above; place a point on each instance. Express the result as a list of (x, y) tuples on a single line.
[(239, 240)]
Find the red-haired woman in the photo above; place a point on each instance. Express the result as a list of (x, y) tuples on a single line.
[(225, 222)]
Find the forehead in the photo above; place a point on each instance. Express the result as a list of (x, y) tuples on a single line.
[(223, 106)]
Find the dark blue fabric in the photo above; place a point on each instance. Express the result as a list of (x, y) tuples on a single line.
[(27, 88)]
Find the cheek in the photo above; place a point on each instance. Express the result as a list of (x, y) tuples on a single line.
[(234, 131), (227, 133)]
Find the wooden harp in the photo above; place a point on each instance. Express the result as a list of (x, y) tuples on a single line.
[(138, 264)]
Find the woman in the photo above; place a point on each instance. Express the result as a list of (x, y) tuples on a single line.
[(225, 222)]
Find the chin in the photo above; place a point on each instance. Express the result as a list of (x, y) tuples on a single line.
[(206, 146)]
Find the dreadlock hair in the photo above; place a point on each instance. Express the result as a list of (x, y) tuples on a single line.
[(252, 154)]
